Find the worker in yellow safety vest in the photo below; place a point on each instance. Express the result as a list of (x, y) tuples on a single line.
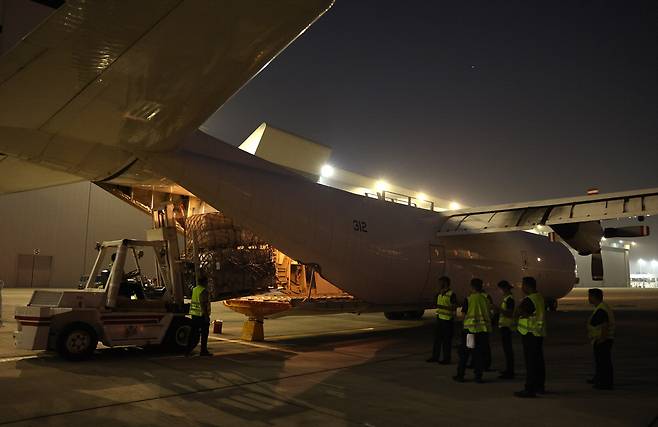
[(200, 313), (446, 304), (486, 344), (505, 326), (477, 325), (601, 332), (532, 327)]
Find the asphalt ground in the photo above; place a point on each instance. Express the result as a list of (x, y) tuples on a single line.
[(335, 370)]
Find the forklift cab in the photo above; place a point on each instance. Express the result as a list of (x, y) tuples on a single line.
[(132, 273)]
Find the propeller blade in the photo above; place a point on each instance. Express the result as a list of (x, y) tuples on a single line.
[(597, 266)]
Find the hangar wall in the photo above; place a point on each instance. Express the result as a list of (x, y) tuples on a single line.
[(64, 223)]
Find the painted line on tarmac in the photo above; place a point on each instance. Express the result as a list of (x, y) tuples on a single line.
[(252, 344), (18, 358), (321, 334), (339, 332)]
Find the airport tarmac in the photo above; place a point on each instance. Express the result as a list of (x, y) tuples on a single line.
[(335, 370)]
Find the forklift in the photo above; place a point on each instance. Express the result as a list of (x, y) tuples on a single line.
[(134, 296)]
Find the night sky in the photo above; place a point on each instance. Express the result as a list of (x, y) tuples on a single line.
[(483, 102)]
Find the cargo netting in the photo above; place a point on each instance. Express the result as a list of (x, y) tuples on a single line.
[(235, 260)]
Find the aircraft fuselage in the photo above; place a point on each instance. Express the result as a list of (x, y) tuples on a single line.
[(380, 252)]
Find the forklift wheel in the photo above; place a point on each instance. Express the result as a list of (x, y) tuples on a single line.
[(181, 335), (77, 341)]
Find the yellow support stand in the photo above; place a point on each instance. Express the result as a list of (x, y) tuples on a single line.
[(256, 310), (252, 330)]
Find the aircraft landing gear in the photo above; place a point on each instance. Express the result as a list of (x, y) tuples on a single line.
[(551, 305)]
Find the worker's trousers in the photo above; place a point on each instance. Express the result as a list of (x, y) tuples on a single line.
[(533, 353), (443, 332), (486, 354), (201, 328), (477, 353), (603, 363), (506, 339)]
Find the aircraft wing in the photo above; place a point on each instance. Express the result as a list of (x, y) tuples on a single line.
[(555, 212), (17, 175), (99, 80)]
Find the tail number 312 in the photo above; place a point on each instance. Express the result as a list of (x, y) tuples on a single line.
[(360, 226)]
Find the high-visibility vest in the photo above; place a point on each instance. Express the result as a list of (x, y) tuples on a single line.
[(535, 324), (195, 304), (504, 321), (477, 317), (444, 308), (595, 332)]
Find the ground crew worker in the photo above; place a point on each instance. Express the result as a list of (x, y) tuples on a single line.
[(486, 347), (477, 322), (601, 331), (200, 312), (532, 327), (446, 303), (505, 325)]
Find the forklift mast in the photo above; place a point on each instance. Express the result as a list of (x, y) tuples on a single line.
[(164, 228)]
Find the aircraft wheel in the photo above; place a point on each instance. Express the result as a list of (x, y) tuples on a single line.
[(77, 341), (393, 315), (551, 305), (181, 335), (414, 314), (404, 315)]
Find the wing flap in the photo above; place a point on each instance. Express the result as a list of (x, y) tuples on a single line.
[(525, 216)]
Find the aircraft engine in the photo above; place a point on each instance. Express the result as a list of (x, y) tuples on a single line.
[(584, 238)]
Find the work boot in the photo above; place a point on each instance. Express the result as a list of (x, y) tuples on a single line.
[(444, 362), (506, 376), (479, 380), (524, 394), (432, 359), (205, 353), (458, 378)]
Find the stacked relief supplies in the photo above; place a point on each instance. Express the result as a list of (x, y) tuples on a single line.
[(236, 261)]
